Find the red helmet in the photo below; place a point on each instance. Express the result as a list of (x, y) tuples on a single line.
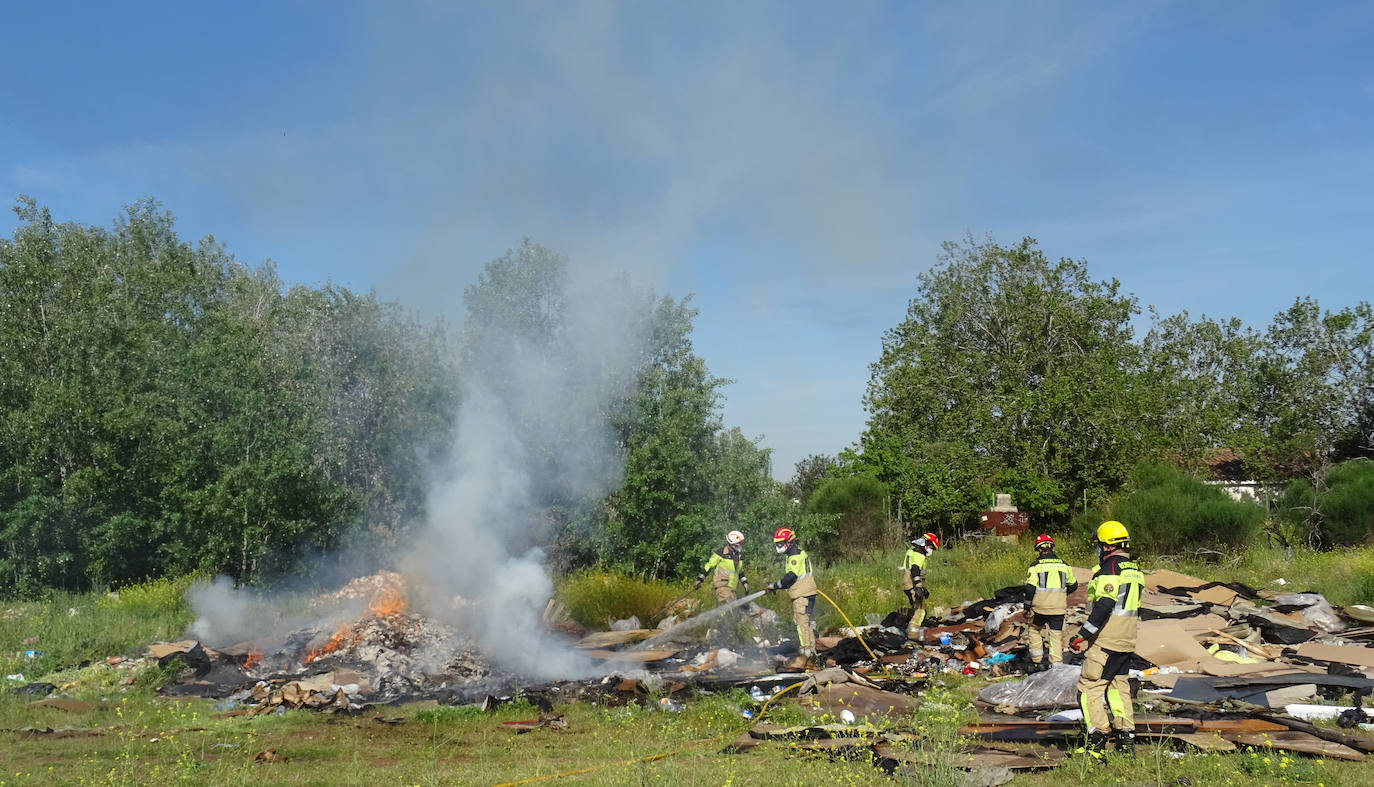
[(1043, 541), (933, 539), (783, 534)]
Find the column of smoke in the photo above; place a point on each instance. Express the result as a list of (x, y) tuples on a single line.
[(533, 418)]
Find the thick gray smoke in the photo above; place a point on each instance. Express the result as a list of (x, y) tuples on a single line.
[(546, 364), (532, 427)]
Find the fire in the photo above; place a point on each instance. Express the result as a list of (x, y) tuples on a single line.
[(254, 658), (387, 603), (344, 637)]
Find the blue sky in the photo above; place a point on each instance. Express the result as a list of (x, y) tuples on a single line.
[(795, 165)]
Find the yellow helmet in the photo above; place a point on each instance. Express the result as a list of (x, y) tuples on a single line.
[(1112, 532)]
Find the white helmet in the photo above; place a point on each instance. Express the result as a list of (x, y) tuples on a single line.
[(734, 537)]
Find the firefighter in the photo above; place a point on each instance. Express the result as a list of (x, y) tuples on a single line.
[(1050, 581), (800, 585), (913, 580), (727, 574), (1110, 635)]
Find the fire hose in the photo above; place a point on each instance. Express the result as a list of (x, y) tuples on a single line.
[(664, 755)]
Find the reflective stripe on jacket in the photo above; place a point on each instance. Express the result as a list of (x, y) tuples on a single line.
[(1051, 578), (800, 566), (726, 568), (1120, 582)]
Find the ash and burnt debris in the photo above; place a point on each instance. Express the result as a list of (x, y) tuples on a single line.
[(362, 645)]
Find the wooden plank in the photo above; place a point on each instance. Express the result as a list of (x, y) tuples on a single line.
[(605, 639), (1300, 742), (635, 656), (1205, 741)]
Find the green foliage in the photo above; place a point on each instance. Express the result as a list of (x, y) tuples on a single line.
[(1338, 513), (1347, 507), (854, 507), (164, 409), (447, 714), (1168, 511), (810, 473), (1011, 372), (595, 597), (68, 629)]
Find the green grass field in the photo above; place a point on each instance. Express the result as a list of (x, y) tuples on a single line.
[(130, 735)]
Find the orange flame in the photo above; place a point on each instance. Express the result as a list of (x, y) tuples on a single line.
[(387, 603), (254, 658), (345, 637)]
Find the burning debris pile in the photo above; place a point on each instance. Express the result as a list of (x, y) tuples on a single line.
[(360, 644)]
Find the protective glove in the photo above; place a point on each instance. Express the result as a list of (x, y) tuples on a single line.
[(744, 582), (1077, 644), (700, 578), (772, 586)]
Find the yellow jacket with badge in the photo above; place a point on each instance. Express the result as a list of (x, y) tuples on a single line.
[(1114, 605)]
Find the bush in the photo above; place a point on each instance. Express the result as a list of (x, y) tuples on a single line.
[(857, 506), (1168, 511), (1347, 506), (596, 596)]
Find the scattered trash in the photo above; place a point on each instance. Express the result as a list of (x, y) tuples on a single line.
[(671, 705), (1321, 712), (847, 716), (15, 676)]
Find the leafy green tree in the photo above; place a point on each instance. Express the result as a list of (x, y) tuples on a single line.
[(1011, 372), (1315, 389), (1169, 511), (850, 518), (810, 473), (166, 409), (1202, 373)]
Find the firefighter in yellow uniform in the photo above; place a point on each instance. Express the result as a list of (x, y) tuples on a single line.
[(914, 580), (726, 570), (1110, 635), (1050, 581), (800, 585)]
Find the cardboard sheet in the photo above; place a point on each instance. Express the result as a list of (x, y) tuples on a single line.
[(1164, 578), (1346, 654), (1202, 624), (1165, 643)]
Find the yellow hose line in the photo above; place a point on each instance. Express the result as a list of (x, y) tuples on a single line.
[(855, 629), (764, 709), (653, 757)]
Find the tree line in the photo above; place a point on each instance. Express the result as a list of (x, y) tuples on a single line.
[(1012, 372), (165, 408)]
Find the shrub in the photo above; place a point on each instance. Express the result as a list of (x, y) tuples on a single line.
[(1168, 511), (596, 596), (858, 507), (1347, 506)]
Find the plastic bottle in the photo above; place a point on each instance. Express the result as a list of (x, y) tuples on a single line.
[(756, 694), (671, 705)]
